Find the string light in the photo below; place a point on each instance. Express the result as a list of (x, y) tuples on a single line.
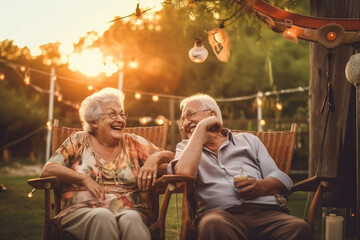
[(137, 96), (145, 120), (155, 98), (27, 77), (278, 104), (2, 76), (30, 195), (262, 122), (198, 53), (133, 63), (138, 19), (90, 87), (259, 101), (48, 125), (159, 120)]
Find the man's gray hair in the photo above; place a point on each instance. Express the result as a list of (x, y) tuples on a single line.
[(91, 106), (206, 101)]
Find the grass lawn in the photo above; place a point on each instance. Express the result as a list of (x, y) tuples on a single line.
[(22, 218)]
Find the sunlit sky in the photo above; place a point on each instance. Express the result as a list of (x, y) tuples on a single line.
[(32, 23)]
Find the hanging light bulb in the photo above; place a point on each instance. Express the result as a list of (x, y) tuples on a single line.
[(30, 195), (137, 17), (159, 120), (60, 98), (262, 122), (259, 101), (2, 76), (90, 87), (145, 120), (48, 125), (22, 68), (133, 63), (155, 98), (289, 33), (278, 104), (198, 53), (137, 96), (27, 78)]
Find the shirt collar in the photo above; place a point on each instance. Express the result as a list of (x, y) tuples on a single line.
[(229, 135)]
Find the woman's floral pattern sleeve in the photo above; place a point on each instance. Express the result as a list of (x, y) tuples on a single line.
[(66, 154)]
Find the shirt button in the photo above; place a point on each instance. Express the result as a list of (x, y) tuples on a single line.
[(222, 166)]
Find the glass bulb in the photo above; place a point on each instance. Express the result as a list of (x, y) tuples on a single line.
[(137, 96), (145, 120), (155, 98), (279, 106), (27, 80), (198, 53), (262, 122)]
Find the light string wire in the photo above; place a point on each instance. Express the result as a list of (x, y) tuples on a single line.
[(169, 96)]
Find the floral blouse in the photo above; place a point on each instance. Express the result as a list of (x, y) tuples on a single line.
[(117, 177)]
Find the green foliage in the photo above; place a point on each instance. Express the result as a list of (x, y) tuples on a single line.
[(22, 113)]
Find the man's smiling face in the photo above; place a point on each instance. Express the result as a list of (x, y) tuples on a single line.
[(192, 114)]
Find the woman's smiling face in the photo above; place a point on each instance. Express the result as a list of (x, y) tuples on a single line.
[(111, 124)]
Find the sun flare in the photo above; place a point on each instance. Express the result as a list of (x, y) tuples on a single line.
[(91, 62)]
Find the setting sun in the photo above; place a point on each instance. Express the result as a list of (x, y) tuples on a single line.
[(66, 22), (91, 62)]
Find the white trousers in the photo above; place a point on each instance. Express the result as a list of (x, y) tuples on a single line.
[(100, 223)]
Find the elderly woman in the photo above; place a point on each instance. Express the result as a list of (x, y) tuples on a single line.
[(104, 170)]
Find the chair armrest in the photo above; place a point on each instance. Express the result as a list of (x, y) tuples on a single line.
[(45, 183), (167, 185), (174, 183), (48, 184), (311, 184), (175, 179), (318, 185)]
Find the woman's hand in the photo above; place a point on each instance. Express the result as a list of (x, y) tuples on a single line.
[(93, 187), (147, 173), (69, 176)]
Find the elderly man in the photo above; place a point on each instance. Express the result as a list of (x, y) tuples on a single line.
[(247, 209)]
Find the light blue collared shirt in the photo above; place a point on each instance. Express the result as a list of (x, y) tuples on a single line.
[(241, 152)]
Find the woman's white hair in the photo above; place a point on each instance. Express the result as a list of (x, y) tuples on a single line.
[(206, 101), (91, 106)]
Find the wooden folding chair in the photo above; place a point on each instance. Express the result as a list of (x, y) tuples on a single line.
[(52, 230), (280, 145)]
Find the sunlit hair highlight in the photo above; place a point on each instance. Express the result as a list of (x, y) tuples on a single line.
[(91, 106), (206, 102)]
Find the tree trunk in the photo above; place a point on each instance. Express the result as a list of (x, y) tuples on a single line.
[(335, 130)]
